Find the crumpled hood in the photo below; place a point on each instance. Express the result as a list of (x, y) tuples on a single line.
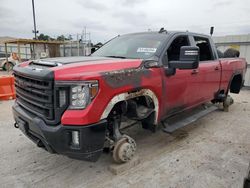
[(81, 68)]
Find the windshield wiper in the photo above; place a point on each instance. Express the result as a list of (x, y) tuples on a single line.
[(114, 56)]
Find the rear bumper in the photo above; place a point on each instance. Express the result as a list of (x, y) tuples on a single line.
[(58, 139)]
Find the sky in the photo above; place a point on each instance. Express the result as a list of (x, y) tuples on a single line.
[(105, 19)]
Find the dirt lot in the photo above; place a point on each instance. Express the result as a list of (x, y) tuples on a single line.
[(4, 73), (212, 152)]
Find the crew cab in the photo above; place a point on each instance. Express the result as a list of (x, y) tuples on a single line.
[(75, 105)]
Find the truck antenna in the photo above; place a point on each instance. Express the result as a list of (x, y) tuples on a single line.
[(211, 30)]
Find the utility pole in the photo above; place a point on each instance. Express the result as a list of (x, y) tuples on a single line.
[(34, 19), (85, 37), (86, 40), (78, 44)]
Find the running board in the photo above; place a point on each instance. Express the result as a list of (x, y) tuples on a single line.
[(169, 128)]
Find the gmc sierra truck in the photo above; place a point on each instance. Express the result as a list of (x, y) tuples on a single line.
[(75, 105)]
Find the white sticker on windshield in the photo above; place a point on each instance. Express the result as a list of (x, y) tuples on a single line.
[(146, 50)]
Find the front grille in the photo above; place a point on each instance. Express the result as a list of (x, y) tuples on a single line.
[(36, 96)]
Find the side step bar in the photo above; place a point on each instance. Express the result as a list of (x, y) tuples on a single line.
[(170, 128)]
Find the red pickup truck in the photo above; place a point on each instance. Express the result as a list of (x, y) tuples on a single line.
[(75, 105)]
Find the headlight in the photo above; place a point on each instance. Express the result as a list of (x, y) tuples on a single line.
[(79, 96), (81, 93)]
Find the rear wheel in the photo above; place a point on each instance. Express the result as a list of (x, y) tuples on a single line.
[(227, 102)]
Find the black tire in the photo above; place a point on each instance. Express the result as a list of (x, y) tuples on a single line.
[(231, 52), (8, 65)]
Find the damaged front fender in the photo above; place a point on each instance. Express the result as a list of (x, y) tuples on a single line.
[(130, 95)]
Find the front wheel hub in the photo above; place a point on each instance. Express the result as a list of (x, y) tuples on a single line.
[(124, 149)]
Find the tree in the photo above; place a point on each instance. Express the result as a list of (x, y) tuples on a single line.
[(43, 37), (70, 37), (61, 38), (48, 38)]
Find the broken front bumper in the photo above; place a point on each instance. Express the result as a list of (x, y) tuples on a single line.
[(58, 139)]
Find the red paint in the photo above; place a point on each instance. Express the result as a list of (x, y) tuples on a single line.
[(181, 91)]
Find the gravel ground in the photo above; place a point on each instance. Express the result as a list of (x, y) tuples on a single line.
[(212, 152), (4, 73)]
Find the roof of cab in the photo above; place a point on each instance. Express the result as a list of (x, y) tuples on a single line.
[(168, 33)]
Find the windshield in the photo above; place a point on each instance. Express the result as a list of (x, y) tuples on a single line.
[(137, 46)]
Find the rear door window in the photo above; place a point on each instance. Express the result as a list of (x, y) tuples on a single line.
[(205, 48)]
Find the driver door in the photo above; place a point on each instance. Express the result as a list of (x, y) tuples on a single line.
[(178, 86)]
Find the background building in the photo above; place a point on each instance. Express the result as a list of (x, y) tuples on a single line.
[(238, 42), (42, 49)]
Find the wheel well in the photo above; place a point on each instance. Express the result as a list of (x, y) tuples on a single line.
[(236, 84), (122, 107), (9, 62), (139, 95), (5, 65), (140, 108)]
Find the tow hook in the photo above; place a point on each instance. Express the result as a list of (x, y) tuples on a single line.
[(16, 125)]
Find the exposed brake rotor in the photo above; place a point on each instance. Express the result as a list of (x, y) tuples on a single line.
[(124, 149)]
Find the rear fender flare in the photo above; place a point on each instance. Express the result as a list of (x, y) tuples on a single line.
[(231, 79)]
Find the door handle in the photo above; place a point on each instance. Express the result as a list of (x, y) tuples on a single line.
[(195, 71), (216, 68)]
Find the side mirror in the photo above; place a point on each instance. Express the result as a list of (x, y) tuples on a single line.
[(189, 58)]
